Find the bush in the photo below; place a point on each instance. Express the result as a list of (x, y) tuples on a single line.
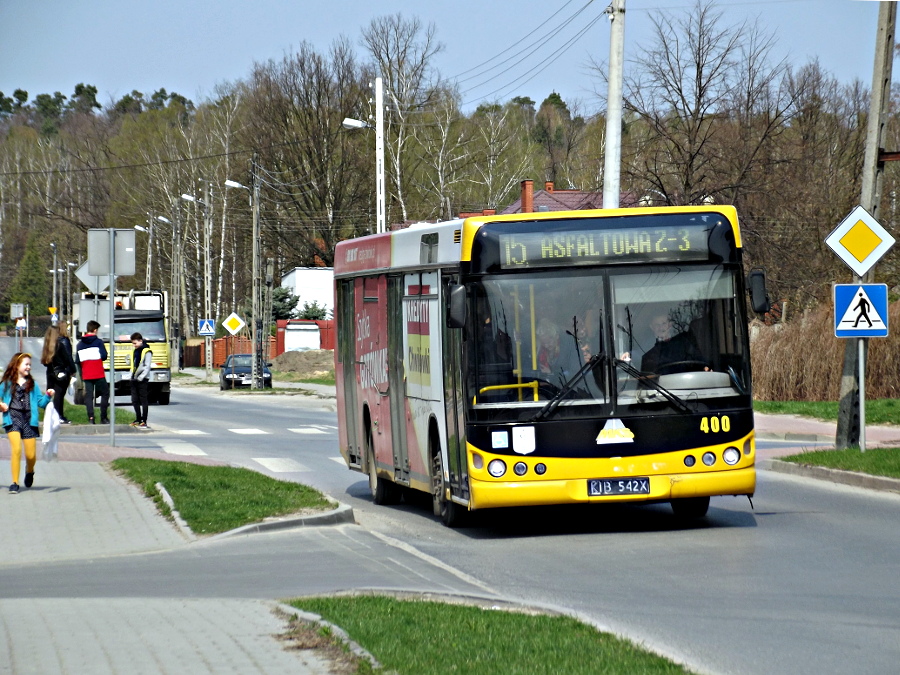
[(803, 360)]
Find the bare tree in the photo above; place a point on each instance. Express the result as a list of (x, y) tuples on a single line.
[(696, 91), (316, 185), (402, 50)]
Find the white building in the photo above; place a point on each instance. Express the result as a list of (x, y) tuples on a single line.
[(311, 284)]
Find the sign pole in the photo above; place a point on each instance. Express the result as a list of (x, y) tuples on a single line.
[(862, 394), (112, 337)]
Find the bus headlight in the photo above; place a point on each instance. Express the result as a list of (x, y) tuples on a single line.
[(497, 467), (540, 469), (520, 468), (689, 460), (709, 458), (731, 456)]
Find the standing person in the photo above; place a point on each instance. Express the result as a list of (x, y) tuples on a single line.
[(20, 398), (141, 363), (90, 353), (57, 356)]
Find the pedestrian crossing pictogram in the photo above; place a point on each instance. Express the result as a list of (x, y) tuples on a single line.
[(860, 310), (206, 327)]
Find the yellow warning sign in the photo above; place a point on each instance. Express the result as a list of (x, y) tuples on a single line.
[(860, 241), (233, 323)]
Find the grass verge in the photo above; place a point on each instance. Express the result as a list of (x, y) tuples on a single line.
[(878, 411), (77, 414), (874, 461), (287, 376), (213, 499), (478, 641)]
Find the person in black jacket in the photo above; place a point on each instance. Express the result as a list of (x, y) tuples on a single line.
[(57, 357), (673, 352)]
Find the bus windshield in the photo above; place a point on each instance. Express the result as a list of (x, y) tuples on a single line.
[(623, 340)]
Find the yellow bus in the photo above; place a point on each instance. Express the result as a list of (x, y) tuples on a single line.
[(549, 358)]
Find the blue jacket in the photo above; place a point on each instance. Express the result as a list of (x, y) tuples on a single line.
[(37, 399)]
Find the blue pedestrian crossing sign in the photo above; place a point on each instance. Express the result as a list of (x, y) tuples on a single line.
[(860, 310), (206, 328)]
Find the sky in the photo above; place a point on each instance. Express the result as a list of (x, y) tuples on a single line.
[(191, 46)]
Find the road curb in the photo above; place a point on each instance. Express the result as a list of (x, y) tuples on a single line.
[(852, 478), (94, 430), (809, 438), (342, 514)]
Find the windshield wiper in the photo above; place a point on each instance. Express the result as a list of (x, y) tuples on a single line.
[(554, 402), (668, 395)]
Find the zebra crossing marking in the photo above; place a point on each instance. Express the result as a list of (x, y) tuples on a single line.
[(280, 464)]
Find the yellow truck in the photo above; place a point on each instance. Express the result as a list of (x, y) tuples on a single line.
[(144, 312)]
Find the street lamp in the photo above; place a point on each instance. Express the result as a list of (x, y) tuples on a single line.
[(69, 266), (350, 123), (207, 296), (256, 371), (53, 299), (149, 230)]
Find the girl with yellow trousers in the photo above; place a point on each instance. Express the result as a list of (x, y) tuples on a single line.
[(20, 398)]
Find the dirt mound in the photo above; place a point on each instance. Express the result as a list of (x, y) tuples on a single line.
[(312, 363)]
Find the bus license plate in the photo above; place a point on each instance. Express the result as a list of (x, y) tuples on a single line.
[(603, 487)]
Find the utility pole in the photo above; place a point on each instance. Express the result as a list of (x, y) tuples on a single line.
[(851, 417), (255, 318), (612, 160), (207, 271), (379, 157), (174, 281)]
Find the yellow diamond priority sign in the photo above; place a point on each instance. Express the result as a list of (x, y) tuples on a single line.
[(233, 323), (860, 241)]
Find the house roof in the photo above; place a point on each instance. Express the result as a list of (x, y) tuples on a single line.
[(551, 199)]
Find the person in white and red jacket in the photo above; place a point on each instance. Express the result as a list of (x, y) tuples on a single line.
[(90, 355)]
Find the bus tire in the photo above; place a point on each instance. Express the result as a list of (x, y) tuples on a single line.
[(383, 491), (451, 514), (690, 508), (164, 397)]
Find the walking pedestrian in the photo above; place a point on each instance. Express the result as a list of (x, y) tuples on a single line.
[(57, 356), (141, 363), (20, 398), (90, 353)]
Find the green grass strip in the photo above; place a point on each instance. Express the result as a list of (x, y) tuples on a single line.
[(214, 499), (77, 414), (419, 638), (874, 461), (878, 411)]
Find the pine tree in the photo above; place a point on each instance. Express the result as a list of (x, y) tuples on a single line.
[(31, 285)]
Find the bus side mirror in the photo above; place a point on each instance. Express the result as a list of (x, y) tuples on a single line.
[(456, 312), (759, 298)]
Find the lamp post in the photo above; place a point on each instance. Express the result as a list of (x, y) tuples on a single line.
[(256, 371), (149, 230), (53, 299), (350, 123), (69, 266), (207, 268)]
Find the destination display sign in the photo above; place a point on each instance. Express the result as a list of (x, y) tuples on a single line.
[(659, 243)]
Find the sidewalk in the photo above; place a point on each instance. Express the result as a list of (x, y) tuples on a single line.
[(79, 510)]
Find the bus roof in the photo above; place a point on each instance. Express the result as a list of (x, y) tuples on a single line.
[(448, 242)]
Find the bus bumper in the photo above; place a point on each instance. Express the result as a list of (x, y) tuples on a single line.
[(495, 494)]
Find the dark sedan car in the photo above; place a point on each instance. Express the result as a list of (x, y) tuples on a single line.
[(236, 372)]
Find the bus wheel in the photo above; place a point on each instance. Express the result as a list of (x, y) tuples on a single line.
[(383, 491), (451, 513), (164, 397), (690, 508)]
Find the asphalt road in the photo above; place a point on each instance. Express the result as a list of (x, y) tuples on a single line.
[(808, 581)]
